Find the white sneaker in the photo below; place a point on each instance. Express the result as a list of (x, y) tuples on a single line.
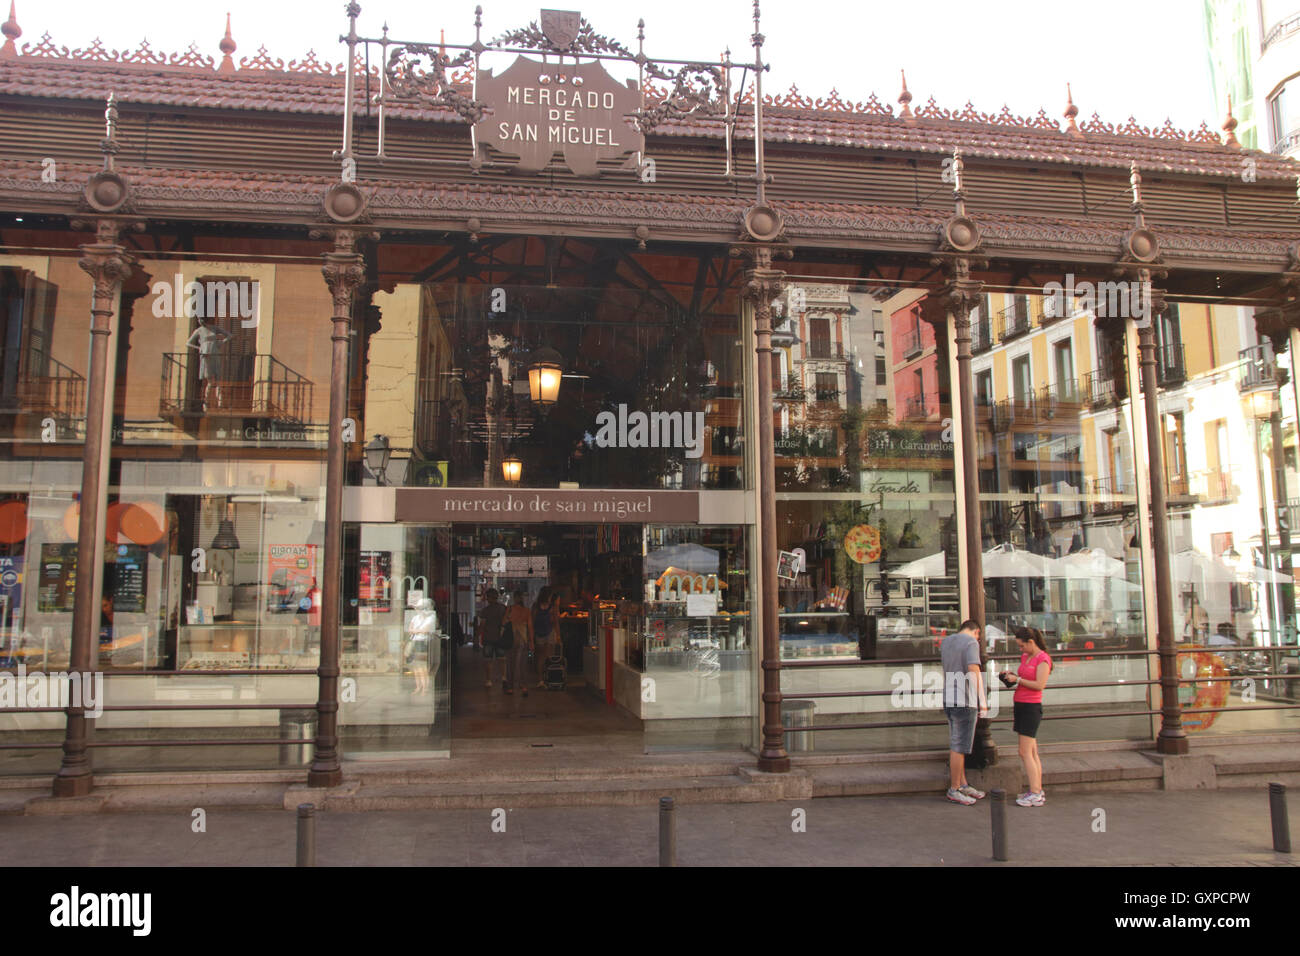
[(956, 796), (970, 791), (1032, 799)]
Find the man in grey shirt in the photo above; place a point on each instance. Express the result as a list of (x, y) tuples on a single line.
[(963, 702)]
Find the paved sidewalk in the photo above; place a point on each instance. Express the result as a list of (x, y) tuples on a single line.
[(1165, 828)]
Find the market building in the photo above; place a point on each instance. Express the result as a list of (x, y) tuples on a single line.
[(773, 391)]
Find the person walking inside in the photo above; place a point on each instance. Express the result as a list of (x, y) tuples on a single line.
[(490, 617), (1027, 708), (520, 620), (544, 631), (964, 702)]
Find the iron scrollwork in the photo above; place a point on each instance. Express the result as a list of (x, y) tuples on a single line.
[(407, 80)]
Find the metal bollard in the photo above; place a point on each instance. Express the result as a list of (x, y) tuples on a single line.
[(998, 804), (1281, 823), (306, 834), (667, 832)]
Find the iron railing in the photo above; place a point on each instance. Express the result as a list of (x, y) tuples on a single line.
[(912, 343), (60, 392), (1099, 389), (1109, 495), (823, 349), (1280, 29), (916, 407), (1013, 321), (981, 335), (1258, 367), (251, 385)]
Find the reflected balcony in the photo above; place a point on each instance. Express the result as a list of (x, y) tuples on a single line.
[(1099, 390), (1213, 486), (248, 386), (1258, 367), (1110, 495), (1013, 322), (912, 343), (916, 408), (981, 336), (822, 349), (59, 392), (791, 393)]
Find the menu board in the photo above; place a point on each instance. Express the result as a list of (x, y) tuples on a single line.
[(58, 580), (129, 579)]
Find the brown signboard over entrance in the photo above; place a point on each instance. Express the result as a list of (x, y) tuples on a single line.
[(537, 110), (527, 506)]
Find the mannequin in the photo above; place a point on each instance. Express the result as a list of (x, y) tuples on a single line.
[(422, 629)]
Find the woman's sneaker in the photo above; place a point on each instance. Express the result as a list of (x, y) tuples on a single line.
[(956, 796), (1032, 799), (970, 791)]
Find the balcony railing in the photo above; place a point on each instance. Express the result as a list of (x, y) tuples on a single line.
[(1258, 368), (1213, 486), (272, 390), (1177, 486), (791, 393), (1170, 367), (60, 392), (1060, 396), (981, 336), (824, 395), (916, 407), (1281, 29), (1288, 142), (1109, 495), (1099, 390), (823, 349), (912, 344), (1054, 308), (1013, 321)]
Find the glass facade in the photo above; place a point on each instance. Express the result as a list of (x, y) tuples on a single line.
[(589, 380)]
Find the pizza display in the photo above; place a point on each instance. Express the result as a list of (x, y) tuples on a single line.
[(862, 544)]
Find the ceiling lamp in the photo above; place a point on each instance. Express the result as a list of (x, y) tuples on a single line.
[(512, 469), (225, 539)]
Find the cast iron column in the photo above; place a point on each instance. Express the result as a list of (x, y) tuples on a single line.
[(763, 284), (961, 296), (109, 266), (1172, 739), (344, 272)]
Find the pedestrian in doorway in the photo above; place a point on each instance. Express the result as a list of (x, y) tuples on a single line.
[(520, 621), (964, 702), (1027, 708), (488, 634), (544, 630)]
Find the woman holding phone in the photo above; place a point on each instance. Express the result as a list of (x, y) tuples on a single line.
[(1027, 707)]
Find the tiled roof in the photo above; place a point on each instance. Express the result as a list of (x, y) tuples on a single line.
[(310, 87)]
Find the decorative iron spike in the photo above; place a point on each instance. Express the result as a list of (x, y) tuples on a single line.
[(1071, 111), (1230, 126), (227, 47), (12, 31), (905, 97)]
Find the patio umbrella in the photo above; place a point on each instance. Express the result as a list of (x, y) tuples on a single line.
[(931, 566), (1007, 561), (1089, 563)]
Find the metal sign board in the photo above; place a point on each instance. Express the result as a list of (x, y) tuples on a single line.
[(537, 110)]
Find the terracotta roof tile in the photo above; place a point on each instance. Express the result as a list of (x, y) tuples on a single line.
[(309, 91)]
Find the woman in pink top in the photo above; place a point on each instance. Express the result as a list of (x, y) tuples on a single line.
[(1027, 706)]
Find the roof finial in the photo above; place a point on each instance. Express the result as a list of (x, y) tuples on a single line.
[(1135, 183), (905, 97), (1229, 125), (1071, 111), (12, 31), (227, 47), (109, 145)]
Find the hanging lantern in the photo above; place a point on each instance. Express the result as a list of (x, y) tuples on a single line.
[(544, 374), (512, 469)]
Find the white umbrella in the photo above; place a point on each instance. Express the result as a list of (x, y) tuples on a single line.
[(1007, 561), (1089, 563), (931, 566)]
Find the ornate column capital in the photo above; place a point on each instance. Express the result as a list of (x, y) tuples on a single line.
[(344, 267), (107, 263)]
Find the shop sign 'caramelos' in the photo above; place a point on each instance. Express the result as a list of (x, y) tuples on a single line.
[(538, 110)]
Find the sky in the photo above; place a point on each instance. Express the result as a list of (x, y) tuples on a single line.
[(1141, 58)]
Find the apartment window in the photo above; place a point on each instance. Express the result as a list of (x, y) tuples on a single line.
[(819, 338), (880, 337), (882, 372), (1175, 453), (983, 388), (1022, 380), (1063, 365), (827, 387)]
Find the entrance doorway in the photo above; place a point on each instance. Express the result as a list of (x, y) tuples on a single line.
[(592, 574)]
